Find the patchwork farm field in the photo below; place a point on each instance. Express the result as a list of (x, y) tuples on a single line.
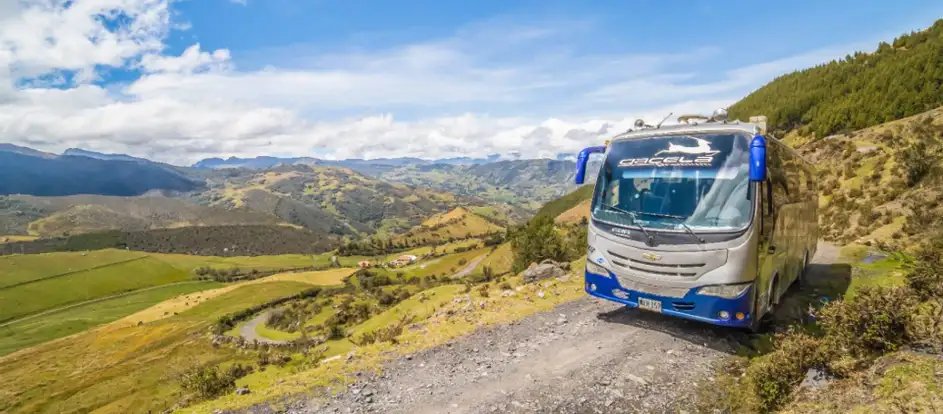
[(61, 323), (18, 269), (125, 368), (52, 292)]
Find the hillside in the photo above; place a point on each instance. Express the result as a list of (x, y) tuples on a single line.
[(237, 240), (884, 183), (22, 172), (58, 216), (327, 199), (523, 183), (457, 224), (561, 205), (898, 79)]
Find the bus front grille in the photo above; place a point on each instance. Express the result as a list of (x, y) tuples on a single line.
[(660, 273)]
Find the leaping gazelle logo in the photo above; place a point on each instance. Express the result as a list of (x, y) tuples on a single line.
[(703, 147)]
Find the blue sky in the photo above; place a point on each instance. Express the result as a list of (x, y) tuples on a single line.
[(182, 80)]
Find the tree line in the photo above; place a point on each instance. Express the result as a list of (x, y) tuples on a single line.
[(899, 79)]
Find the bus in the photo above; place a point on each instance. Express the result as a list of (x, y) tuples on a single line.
[(710, 221)]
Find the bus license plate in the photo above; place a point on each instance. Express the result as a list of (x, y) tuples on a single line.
[(648, 304)]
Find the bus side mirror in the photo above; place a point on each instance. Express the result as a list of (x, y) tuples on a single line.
[(582, 159), (758, 159)]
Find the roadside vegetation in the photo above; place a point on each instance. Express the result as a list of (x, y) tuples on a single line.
[(843, 340)]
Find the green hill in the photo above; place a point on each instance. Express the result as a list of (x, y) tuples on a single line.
[(898, 79), (559, 206)]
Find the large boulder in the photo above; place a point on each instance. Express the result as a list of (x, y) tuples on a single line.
[(545, 270)]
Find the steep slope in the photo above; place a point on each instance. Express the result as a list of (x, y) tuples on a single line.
[(561, 205), (899, 79), (69, 175), (883, 183)]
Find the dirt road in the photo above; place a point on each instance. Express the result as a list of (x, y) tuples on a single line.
[(587, 356), (470, 268), (248, 333)]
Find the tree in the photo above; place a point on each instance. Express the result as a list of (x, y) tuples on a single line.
[(535, 242)]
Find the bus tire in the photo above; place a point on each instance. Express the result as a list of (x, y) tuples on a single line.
[(759, 317), (804, 273)]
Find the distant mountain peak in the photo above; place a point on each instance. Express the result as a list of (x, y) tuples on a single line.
[(25, 151)]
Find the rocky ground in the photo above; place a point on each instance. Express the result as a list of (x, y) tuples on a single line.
[(587, 356)]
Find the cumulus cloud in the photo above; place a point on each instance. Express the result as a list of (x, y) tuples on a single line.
[(490, 88)]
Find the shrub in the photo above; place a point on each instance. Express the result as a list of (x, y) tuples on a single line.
[(917, 161), (769, 380), (483, 290), (926, 276), (505, 286), (874, 322), (462, 262), (207, 382)]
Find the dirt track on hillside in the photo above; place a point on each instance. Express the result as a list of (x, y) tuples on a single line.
[(586, 356)]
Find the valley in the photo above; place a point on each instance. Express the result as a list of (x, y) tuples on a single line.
[(299, 284)]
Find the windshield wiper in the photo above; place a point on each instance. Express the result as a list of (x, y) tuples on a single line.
[(680, 221), (634, 217)]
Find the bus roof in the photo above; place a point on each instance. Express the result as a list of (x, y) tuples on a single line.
[(702, 128)]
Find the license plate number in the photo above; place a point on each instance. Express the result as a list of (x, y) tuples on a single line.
[(648, 304)]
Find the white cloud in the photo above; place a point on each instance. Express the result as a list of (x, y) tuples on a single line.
[(491, 88)]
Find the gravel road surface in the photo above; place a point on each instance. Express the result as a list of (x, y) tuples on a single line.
[(586, 356)]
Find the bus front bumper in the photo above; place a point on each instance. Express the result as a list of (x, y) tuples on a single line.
[(703, 308)]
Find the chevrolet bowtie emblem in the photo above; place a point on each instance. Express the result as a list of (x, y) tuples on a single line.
[(651, 256)]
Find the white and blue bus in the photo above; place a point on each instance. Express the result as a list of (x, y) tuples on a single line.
[(710, 221)]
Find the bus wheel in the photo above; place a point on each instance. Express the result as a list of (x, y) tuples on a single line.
[(804, 273), (759, 317)]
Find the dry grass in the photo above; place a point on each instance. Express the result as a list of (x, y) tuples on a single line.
[(575, 214), (182, 303)]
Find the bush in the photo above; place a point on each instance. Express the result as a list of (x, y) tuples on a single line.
[(483, 290), (537, 241), (874, 322), (917, 161), (768, 381), (462, 262), (208, 382), (926, 276)]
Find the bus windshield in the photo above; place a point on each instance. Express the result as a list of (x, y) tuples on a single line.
[(669, 182)]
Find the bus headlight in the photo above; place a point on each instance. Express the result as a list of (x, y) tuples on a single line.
[(596, 269), (725, 291)]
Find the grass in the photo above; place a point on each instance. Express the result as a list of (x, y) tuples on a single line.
[(119, 369), (270, 333), (262, 263), (500, 260), (56, 325), (50, 293), (323, 277), (457, 224), (23, 268), (443, 266), (435, 330), (901, 382), (16, 238)]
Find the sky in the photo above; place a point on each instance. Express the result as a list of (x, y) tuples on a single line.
[(179, 81)]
